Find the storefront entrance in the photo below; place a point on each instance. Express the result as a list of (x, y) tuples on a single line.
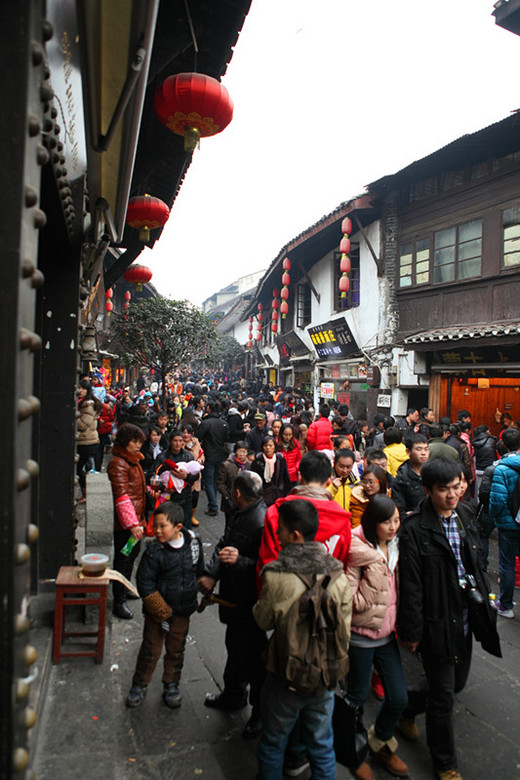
[(486, 399)]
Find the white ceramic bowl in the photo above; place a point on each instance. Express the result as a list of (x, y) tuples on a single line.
[(94, 563)]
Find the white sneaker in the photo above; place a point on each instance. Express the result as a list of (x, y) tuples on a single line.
[(503, 612)]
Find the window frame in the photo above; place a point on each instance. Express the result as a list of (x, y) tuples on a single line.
[(503, 265), (353, 298), (433, 247), (303, 304)]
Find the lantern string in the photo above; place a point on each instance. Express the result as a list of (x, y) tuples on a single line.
[(193, 37)]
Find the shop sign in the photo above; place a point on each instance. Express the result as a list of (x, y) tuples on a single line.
[(373, 376), (385, 401), (327, 390), (334, 372), (472, 357), (344, 398), (290, 345), (64, 64), (333, 339)]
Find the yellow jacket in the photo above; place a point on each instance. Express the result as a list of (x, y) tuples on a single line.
[(396, 454), (341, 494)]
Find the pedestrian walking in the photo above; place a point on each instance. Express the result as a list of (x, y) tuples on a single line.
[(372, 574)]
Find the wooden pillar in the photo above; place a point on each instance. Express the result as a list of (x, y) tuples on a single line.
[(434, 395)]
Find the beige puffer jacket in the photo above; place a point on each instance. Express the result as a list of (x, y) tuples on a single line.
[(87, 424), (367, 573)]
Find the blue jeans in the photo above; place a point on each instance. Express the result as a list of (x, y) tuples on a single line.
[(281, 709), (387, 661), (508, 549), (211, 469)]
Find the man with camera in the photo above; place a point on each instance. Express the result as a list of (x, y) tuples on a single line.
[(443, 601)]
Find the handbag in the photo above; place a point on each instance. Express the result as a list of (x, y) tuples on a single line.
[(350, 735)]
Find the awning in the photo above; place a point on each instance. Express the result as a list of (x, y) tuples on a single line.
[(462, 333)]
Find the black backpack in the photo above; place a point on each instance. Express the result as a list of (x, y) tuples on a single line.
[(308, 649)]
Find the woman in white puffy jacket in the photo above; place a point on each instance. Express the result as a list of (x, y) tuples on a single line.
[(372, 573)]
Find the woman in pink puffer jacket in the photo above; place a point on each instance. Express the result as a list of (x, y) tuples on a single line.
[(372, 574)]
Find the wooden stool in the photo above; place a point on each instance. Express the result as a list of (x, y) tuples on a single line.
[(73, 591)]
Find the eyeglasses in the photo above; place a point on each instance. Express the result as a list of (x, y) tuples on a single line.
[(368, 482)]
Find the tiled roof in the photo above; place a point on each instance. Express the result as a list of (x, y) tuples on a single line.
[(464, 332)]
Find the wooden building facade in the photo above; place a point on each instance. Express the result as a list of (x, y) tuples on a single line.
[(453, 256)]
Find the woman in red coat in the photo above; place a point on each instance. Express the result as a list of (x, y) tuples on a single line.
[(290, 449), (129, 492), (320, 431)]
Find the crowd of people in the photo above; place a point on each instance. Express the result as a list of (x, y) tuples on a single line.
[(394, 517)]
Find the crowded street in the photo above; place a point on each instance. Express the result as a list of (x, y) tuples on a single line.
[(260, 317), (88, 699)]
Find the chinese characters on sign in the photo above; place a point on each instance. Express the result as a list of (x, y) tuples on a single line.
[(327, 390), (333, 340)]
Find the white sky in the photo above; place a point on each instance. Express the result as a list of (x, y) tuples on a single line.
[(329, 95)]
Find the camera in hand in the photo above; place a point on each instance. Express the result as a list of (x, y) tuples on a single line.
[(468, 584)]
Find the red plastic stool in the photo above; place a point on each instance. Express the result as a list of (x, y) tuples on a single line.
[(71, 590)]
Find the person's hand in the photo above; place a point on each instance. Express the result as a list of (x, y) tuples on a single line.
[(206, 584), (181, 473), (154, 493), (228, 555), (137, 532), (336, 482), (410, 646)]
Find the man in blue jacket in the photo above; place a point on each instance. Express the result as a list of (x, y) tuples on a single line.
[(507, 518)]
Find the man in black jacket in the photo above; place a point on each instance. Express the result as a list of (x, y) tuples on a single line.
[(256, 435), (234, 565), (407, 487), (443, 600), (213, 434)]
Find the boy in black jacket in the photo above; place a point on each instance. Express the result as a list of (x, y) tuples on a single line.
[(167, 582)]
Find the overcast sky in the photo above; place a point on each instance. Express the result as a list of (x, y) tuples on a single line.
[(329, 96)]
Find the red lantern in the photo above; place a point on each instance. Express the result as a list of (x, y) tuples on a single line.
[(260, 317), (274, 327), (250, 319), (109, 293), (193, 105), (344, 245), (284, 308), (276, 293), (260, 307), (108, 307), (126, 306), (146, 213), (128, 296), (344, 285), (138, 275), (286, 265), (346, 225), (284, 294), (275, 303), (286, 279), (275, 316), (259, 336), (249, 344), (344, 265)]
